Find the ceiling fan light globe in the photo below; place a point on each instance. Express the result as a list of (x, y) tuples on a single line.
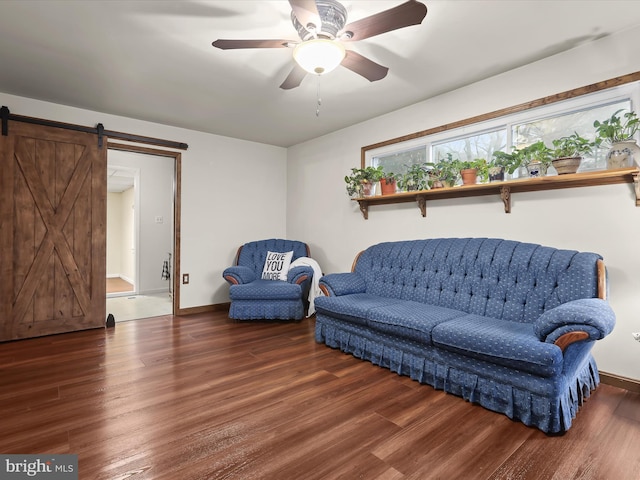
[(319, 56)]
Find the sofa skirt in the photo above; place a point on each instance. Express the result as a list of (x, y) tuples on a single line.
[(263, 310), (549, 404)]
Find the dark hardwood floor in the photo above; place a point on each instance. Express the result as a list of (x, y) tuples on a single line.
[(202, 397)]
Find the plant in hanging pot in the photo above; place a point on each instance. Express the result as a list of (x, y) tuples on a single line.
[(362, 181), (568, 151), (618, 131), (388, 183), (415, 178), (538, 157)]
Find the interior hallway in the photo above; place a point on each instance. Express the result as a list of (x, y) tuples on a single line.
[(133, 307), (118, 285)]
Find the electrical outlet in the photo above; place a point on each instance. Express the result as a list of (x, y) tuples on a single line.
[(185, 278)]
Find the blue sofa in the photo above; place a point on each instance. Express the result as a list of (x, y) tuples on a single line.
[(504, 324), (253, 298)]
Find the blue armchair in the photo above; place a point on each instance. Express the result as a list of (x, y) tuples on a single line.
[(255, 298)]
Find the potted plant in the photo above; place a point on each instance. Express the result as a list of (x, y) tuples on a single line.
[(415, 178), (538, 157), (471, 170), (497, 166), (568, 151), (445, 172), (510, 162), (388, 183), (617, 131), (361, 182)]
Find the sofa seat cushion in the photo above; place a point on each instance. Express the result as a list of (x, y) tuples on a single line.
[(265, 290), (352, 308), (502, 342), (410, 320)]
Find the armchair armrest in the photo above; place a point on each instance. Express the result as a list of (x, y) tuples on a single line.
[(238, 275), (586, 318), (336, 284), (300, 274)]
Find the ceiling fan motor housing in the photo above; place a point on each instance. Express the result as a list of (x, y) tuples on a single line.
[(333, 17), (322, 27)]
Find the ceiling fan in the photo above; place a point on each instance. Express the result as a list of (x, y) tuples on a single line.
[(323, 29)]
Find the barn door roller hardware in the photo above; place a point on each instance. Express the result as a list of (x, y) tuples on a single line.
[(6, 115)]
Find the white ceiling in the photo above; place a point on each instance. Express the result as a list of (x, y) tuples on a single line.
[(153, 60), (119, 180)]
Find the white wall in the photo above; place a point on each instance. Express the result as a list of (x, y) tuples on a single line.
[(601, 219), (120, 230), (114, 253), (127, 237), (232, 192)]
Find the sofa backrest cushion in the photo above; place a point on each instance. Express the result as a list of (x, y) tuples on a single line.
[(485, 276), (254, 254)]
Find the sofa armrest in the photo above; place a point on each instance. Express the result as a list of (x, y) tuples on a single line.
[(238, 275), (336, 284), (300, 274), (587, 318)]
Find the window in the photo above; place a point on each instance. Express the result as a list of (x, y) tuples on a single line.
[(471, 147), (399, 162), (548, 120), (557, 126)]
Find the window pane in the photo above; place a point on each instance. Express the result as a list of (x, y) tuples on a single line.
[(477, 146), (549, 129), (399, 162)]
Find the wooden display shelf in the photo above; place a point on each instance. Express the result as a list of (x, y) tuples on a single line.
[(507, 188)]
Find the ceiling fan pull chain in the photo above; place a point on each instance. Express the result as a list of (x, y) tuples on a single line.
[(318, 97)]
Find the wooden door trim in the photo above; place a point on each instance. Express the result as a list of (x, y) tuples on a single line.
[(177, 156)]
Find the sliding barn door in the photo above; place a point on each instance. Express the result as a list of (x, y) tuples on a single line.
[(52, 231)]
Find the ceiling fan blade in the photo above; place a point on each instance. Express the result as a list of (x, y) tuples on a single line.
[(294, 78), (369, 69), (405, 15), (306, 11), (232, 44)]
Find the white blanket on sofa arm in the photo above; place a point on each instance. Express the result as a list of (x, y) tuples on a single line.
[(314, 289)]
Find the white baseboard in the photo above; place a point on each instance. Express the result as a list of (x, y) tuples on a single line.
[(119, 275), (154, 291)]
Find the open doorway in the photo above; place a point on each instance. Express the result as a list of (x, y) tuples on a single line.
[(140, 234), (123, 207)]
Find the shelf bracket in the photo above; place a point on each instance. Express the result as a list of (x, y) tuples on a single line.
[(505, 195), (422, 204), (636, 186), (364, 208)]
